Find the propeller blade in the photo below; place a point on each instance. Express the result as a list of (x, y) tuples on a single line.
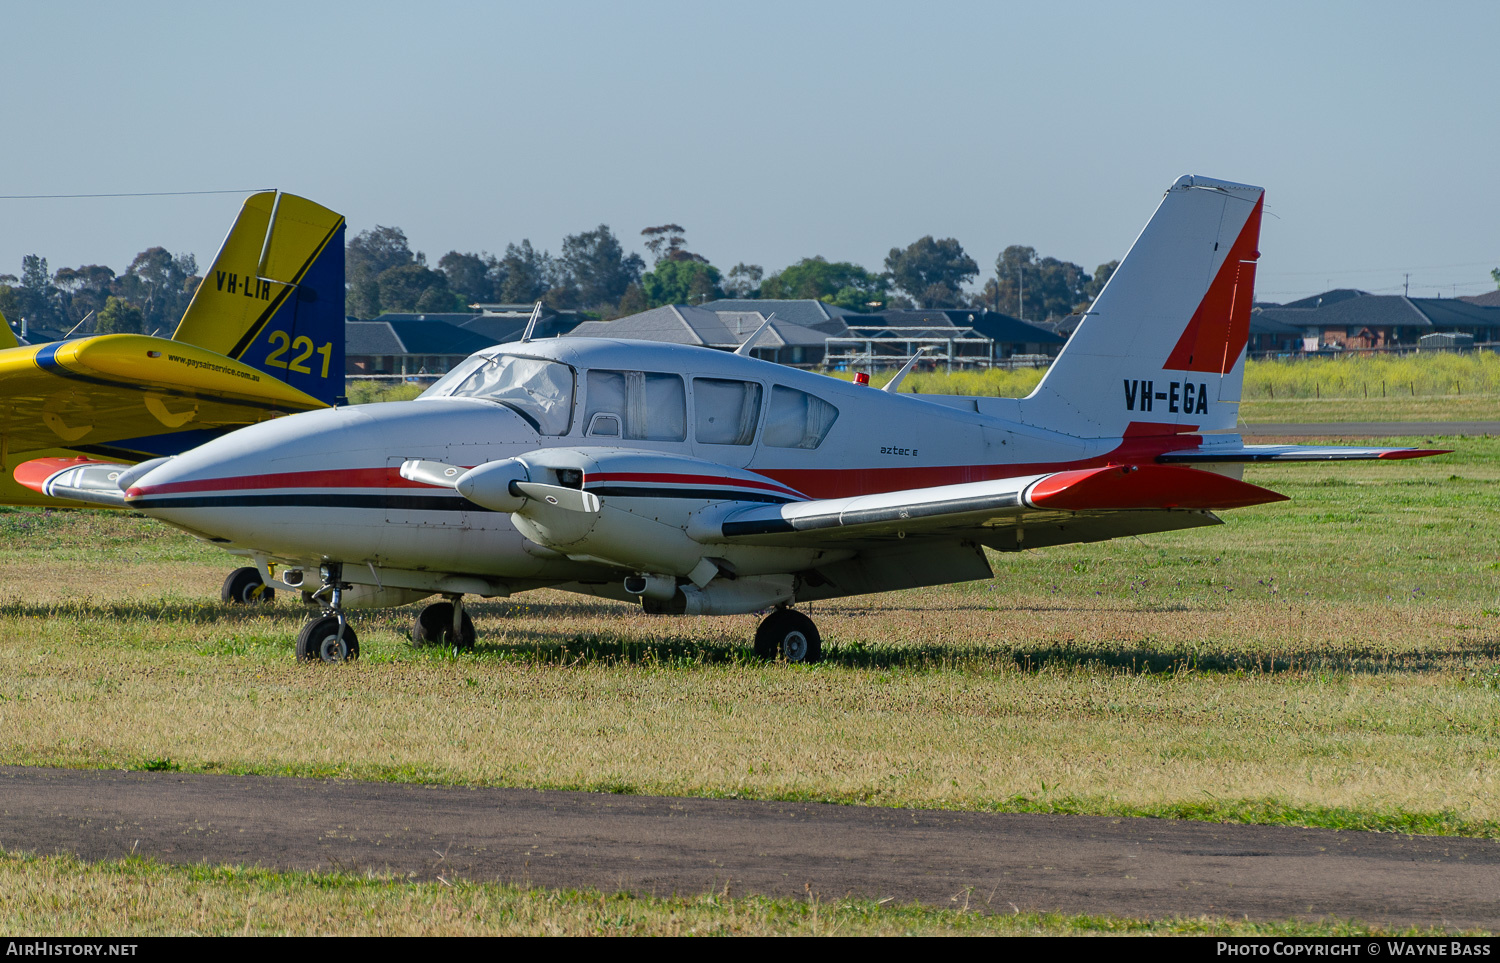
[(572, 499), (435, 473)]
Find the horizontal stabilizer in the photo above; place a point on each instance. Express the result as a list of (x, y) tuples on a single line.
[(1245, 454), (1139, 487), (81, 479)]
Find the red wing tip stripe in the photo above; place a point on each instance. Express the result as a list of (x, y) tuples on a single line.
[(36, 473), (1414, 453)]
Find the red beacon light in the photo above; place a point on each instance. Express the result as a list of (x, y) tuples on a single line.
[(861, 378)]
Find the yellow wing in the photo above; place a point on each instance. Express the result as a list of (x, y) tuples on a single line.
[(267, 316)]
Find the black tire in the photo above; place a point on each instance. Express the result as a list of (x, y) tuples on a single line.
[(785, 634), (319, 641), (434, 626), (244, 586)]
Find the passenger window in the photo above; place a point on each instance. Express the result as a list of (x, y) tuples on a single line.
[(642, 405), (725, 412), (797, 420)]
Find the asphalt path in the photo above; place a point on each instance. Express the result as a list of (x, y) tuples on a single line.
[(1371, 429), (1002, 863)]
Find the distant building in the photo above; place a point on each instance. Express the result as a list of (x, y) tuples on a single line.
[(796, 335), (806, 332), (1349, 320), (407, 346)]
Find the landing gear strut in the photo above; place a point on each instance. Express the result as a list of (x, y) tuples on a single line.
[(244, 586), (329, 638), (444, 624), (789, 635)]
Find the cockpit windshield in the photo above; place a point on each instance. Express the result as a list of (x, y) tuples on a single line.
[(539, 391)]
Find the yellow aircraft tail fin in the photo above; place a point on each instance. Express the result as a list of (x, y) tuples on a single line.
[(274, 296), (8, 337)]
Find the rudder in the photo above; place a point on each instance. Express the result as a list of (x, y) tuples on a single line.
[(274, 296), (1162, 350)]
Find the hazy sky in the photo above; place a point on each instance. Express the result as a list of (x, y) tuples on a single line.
[(771, 131)]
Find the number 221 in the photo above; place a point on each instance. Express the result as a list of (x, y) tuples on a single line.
[(303, 343)]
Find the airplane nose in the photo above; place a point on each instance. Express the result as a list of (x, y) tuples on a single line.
[(304, 478)]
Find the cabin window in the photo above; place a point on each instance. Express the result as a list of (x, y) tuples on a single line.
[(537, 390), (645, 406), (797, 419), (725, 412)]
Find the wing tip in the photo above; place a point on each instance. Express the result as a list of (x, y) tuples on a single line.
[(1398, 453)]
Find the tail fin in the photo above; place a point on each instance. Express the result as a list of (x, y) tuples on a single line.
[(274, 297), (8, 337), (1162, 351)]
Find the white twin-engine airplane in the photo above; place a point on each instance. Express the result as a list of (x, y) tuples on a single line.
[(709, 483)]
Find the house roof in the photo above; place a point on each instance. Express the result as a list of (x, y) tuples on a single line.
[(796, 310), (672, 323), (1453, 313), (1380, 310), (1326, 298), (411, 337), (1489, 299)]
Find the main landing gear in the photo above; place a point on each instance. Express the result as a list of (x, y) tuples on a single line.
[(785, 634), (444, 624), (329, 638), (244, 586)]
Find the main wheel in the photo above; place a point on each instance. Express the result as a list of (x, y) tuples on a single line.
[(434, 626), (244, 586), (319, 641), (788, 635)]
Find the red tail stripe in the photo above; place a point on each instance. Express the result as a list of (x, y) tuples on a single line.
[(1219, 329)]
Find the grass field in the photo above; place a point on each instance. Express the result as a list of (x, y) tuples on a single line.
[(139, 897), (1331, 661)]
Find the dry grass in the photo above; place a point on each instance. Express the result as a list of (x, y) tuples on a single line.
[(1332, 661), (56, 895)]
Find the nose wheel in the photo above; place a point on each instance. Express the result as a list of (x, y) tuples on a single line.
[(789, 635), (329, 637)]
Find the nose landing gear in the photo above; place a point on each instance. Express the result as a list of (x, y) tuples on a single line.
[(788, 635), (329, 638)]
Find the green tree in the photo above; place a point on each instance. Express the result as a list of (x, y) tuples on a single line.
[(474, 278), (1101, 277), (744, 280), (528, 273), (161, 285), (667, 243), (404, 288), (681, 282), (1495, 273), (837, 282), (598, 268), (84, 289), (369, 255), (119, 316), (1041, 288), (35, 297), (932, 272)]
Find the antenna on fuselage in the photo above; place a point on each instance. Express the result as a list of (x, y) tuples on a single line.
[(895, 382), (744, 349), (536, 312)]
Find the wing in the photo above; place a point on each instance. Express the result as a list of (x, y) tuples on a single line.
[(1070, 506), (96, 391)]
